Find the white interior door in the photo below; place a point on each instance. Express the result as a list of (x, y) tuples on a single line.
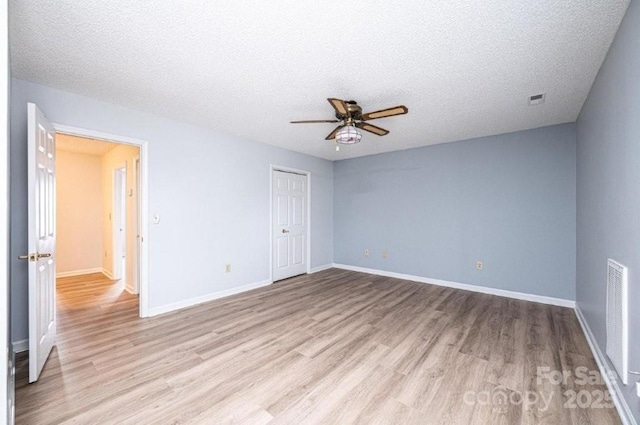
[(42, 240), (136, 223), (119, 219), (289, 224)]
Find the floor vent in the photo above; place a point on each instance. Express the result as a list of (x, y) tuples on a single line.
[(617, 319)]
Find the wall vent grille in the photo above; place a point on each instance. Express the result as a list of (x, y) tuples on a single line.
[(617, 318)]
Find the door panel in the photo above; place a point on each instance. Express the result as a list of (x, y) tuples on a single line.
[(282, 252), (297, 185), (282, 183), (42, 240), (298, 210), (283, 210), (298, 249), (289, 225)]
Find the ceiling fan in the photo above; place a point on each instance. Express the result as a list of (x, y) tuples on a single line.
[(350, 114)]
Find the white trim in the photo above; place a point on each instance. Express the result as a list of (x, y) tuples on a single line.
[(100, 135), (80, 272), (20, 346), (107, 273), (144, 201), (272, 168), (320, 268), (606, 372), (154, 311), (6, 394), (136, 247), (117, 199), (465, 286)]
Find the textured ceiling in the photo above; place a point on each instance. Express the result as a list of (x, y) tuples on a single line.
[(463, 68), (68, 143)]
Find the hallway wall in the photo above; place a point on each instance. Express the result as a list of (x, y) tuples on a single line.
[(79, 213), (119, 157)]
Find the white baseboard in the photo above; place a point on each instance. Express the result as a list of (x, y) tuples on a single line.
[(465, 286), (154, 311), (107, 273), (129, 290), (606, 373), (80, 272), (21, 346), (320, 268)]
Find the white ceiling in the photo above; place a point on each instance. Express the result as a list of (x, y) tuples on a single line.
[(463, 68), (68, 143)]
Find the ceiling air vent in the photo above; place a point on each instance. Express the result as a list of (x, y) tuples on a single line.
[(536, 99)]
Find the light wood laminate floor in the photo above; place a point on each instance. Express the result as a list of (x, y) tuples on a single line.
[(336, 347)]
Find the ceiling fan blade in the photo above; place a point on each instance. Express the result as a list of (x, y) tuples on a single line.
[(372, 128), (339, 106), (332, 135), (312, 121), (389, 112)]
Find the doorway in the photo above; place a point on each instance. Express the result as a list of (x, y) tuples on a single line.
[(95, 221), (290, 222), (51, 209), (124, 251)]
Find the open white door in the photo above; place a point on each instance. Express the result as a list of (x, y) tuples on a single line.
[(119, 220), (138, 227), (42, 240)]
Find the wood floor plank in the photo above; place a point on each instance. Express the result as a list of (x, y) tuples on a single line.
[(543, 400), (464, 375), (497, 405), (393, 412), (357, 405), (506, 361), (335, 347)]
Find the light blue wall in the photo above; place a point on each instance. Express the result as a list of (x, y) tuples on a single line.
[(608, 187), (508, 200), (211, 190)]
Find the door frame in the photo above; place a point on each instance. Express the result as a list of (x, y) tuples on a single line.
[(6, 350), (119, 221), (272, 168), (136, 215), (143, 259)]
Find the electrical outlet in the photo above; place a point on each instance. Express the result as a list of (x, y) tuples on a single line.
[(227, 268), (366, 252), (479, 265), (385, 254)]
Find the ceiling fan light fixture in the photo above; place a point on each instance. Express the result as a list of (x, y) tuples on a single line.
[(348, 135)]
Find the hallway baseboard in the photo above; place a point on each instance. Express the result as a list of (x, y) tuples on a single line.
[(80, 272)]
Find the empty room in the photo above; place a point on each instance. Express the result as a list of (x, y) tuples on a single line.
[(320, 213)]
